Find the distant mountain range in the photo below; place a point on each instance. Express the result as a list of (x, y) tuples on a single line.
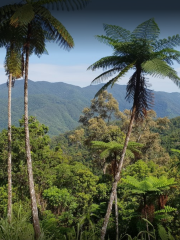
[(59, 105)]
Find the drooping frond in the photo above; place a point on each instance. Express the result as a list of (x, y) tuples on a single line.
[(148, 30), (37, 39), (106, 40), (63, 4), (105, 75), (159, 68), (170, 42), (56, 29), (57, 32), (169, 55), (141, 96), (23, 15), (13, 61), (135, 147), (107, 62), (111, 148), (7, 11), (117, 33), (113, 80)]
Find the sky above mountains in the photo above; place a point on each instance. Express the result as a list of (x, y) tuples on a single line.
[(71, 67)]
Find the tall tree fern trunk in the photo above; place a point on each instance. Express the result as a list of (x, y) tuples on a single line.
[(9, 208), (116, 216), (35, 217), (117, 177)]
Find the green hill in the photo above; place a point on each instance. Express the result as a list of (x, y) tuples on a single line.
[(59, 105)]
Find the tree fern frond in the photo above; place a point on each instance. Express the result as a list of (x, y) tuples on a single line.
[(131, 181), (162, 233), (170, 42), (166, 209), (108, 62), (99, 144), (103, 76), (148, 30), (56, 29), (159, 68), (113, 80), (23, 15), (106, 40), (13, 62), (117, 33), (105, 153), (7, 11)]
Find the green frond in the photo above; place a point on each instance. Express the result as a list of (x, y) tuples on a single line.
[(170, 42), (113, 80), (110, 148), (56, 29), (168, 55), (175, 150), (23, 15), (106, 40), (105, 75), (166, 209), (105, 153), (7, 11), (162, 233), (159, 68), (99, 145), (135, 145), (131, 180), (117, 33), (107, 62), (129, 153), (150, 184), (148, 30), (13, 62)]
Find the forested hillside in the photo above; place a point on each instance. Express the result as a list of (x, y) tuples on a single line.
[(73, 173), (59, 105)]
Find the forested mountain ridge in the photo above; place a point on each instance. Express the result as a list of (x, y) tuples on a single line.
[(59, 105)]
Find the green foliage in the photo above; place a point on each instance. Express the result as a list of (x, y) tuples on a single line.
[(61, 201), (164, 235), (80, 180), (150, 184), (20, 228)]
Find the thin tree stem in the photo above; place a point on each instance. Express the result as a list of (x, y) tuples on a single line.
[(117, 177), (28, 151), (116, 216), (9, 210)]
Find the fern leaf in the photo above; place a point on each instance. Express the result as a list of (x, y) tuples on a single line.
[(23, 15), (117, 33), (147, 30)]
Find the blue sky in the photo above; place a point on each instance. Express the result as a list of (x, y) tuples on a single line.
[(70, 67)]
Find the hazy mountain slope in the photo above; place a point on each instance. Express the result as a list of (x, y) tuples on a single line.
[(59, 105)]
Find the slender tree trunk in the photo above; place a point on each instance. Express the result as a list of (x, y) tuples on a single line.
[(28, 151), (117, 177), (9, 209), (116, 216)]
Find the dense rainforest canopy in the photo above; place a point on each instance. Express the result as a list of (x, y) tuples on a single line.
[(73, 177)]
